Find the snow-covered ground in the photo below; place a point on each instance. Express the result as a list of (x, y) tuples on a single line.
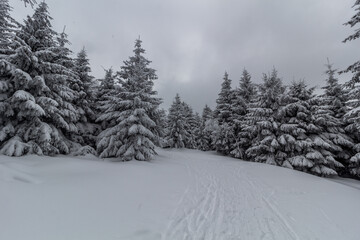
[(182, 194)]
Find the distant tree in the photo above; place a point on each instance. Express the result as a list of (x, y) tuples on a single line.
[(207, 113), (204, 141), (104, 97), (223, 110), (161, 127), (191, 127), (177, 124)]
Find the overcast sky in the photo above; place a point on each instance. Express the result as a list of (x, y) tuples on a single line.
[(193, 42)]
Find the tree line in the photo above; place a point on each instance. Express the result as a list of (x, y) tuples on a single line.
[(50, 104)]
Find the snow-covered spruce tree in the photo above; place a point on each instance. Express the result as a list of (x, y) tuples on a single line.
[(109, 141), (104, 94), (191, 126), (134, 134), (207, 113), (304, 138), (355, 67), (161, 128), (352, 118), (243, 96), (76, 84), (197, 129), (325, 133), (88, 129), (335, 94), (331, 147), (293, 139), (352, 127), (7, 25), (262, 122), (36, 109), (204, 140), (177, 125), (336, 97), (223, 113)]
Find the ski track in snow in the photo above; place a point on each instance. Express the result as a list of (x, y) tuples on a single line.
[(215, 208), (204, 197)]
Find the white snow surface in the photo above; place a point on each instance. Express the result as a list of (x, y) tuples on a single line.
[(182, 194)]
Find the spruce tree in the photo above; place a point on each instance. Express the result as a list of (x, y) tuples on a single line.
[(134, 133), (204, 141), (207, 113), (7, 25), (352, 118), (104, 94), (177, 125), (223, 111), (352, 127), (191, 126), (332, 148), (355, 67), (37, 109), (295, 119), (244, 95), (224, 137), (88, 129), (262, 122), (335, 95)]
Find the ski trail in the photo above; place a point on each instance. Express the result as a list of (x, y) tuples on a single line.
[(222, 202)]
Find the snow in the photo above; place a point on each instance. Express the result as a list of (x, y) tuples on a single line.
[(181, 194)]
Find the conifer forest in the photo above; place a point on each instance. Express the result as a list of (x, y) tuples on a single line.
[(50, 104), (165, 120)]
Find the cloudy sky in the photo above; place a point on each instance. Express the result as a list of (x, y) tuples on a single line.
[(193, 42)]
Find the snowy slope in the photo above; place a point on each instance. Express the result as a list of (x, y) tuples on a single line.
[(182, 194)]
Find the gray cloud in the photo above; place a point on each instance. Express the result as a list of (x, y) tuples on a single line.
[(192, 42)]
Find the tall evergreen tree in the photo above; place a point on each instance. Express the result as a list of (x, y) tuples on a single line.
[(293, 137), (355, 67), (262, 122), (177, 125), (37, 109), (327, 128), (223, 110), (191, 126), (224, 137), (207, 113), (104, 93), (86, 101), (135, 125), (7, 25), (243, 96), (335, 95), (352, 118), (204, 141)]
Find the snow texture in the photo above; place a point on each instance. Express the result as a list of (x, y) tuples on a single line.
[(182, 194)]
